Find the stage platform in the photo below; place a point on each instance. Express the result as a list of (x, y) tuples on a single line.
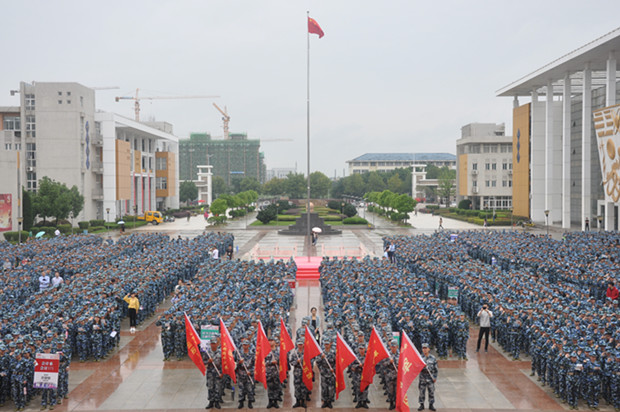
[(308, 267)]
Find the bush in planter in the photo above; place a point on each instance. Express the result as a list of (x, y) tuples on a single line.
[(355, 220), (465, 204), (14, 236), (84, 225), (349, 210), (334, 204), (97, 222)]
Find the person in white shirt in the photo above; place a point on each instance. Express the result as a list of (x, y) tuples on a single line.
[(57, 232), (215, 254), (57, 281), (485, 316), (44, 282)]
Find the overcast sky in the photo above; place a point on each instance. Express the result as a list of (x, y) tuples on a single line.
[(388, 76)]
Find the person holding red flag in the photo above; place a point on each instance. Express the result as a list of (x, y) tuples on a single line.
[(295, 360), (361, 397), (375, 353), (245, 370), (428, 377), (409, 366), (213, 361), (286, 345), (327, 364), (262, 350), (344, 357), (274, 388)]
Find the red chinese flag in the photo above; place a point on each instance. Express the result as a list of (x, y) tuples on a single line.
[(314, 28), (344, 357), (286, 344), (410, 364), (311, 350), (262, 350), (374, 354), (228, 347), (193, 345)]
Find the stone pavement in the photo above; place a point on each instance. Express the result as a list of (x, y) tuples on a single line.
[(136, 378)]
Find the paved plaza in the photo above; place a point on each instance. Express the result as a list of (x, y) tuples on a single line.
[(135, 377)]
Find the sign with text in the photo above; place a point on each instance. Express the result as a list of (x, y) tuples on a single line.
[(46, 370)]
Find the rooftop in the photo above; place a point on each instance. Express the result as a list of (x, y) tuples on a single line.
[(403, 157)]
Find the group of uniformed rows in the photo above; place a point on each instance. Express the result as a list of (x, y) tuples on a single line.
[(82, 316), (548, 298)]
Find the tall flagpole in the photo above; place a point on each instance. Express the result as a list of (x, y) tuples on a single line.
[(308, 133)]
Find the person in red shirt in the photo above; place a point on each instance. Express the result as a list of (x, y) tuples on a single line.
[(612, 291)]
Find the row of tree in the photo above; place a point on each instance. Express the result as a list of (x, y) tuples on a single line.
[(295, 184), (394, 205)]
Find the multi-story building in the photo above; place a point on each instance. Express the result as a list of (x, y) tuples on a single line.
[(279, 172), (484, 166), (564, 136), (237, 157), (382, 162), (113, 161)]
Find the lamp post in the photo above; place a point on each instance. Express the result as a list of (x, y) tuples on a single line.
[(71, 216), (107, 210), (547, 221), (342, 208), (20, 220)]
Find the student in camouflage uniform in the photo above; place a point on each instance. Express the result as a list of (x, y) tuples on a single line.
[(327, 364), (295, 360), (272, 361), (391, 373), (245, 373), (212, 358), (427, 378), (356, 369)]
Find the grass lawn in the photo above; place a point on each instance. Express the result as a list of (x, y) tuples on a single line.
[(279, 223)]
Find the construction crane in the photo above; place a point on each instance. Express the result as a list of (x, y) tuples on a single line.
[(137, 99), (225, 119)]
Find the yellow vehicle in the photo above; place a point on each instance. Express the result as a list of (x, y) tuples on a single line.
[(152, 216)]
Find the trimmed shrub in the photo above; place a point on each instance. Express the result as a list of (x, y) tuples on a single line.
[(464, 204), (287, 218), (64, 229), (332, 218), (84, 225), (97, 222), (334, 204), (14, 236), (349, 210), (217, 220), (432, 207), (94, 229), (355, 220)]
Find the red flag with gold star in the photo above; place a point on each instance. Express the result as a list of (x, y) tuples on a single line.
[(311, 350), (344, 357), (228, 348), (376, 352), (262, 350), (286, 344), (410, 364), (193, 345), (314, 28)]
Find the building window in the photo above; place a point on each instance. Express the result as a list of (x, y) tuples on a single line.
[(494, 166), (510, 166), (30, 126), (160, 163), (12, 123), (7, 146), (18, 146), (510, 183), (82, 101), (493, 183), (487, 183), (29, 101), (504, 183), (59, 93), (31, 149), (487, 166), (59, 101), (474, 183), (474, 166), (161, 183), (68, 93), (505, 166), (68, 101)]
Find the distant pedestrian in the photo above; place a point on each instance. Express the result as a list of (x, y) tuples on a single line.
[(485, 316), (440, 223), (392, 252), (188, 216), (215, 254), (134, 306), (587, 226)]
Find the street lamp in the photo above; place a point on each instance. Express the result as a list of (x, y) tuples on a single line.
[(547, 221), (107, 210), (135, 214), (20, 220), (342, 208)]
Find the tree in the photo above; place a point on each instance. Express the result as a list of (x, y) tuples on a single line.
[(218, 207), (337, 188), (404, 204), (296, 185), (445, 185), (219, 186), (349, 210), (394, 183), (250, 183), (375, 183), (27, 210), (54, 199), (267, 214), (354, 185), (319, 185), (188, 191), (274, 187)]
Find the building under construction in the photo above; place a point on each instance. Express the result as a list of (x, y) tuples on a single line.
[(236, 157)]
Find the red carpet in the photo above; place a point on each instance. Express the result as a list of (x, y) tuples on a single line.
[(308, 267)]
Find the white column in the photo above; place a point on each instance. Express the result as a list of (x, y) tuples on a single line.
[(566, 124), (586, 152), (549, 189), (414, 182), (610, 101), (209, 186)]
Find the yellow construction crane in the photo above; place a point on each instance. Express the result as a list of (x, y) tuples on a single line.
[(225, 119), (137, 99)]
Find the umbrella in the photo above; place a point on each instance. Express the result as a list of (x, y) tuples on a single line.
[(120, 222), (317, 229), (40, 234)]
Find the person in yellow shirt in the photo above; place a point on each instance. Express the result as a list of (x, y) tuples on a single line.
[(134, 306)]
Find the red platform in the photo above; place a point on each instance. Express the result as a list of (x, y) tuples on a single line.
[(308, 267)]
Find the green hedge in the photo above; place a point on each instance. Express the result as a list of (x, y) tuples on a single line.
[(84, 225), (97, 222), (94, 229), (287, 218), (14, 236), (217, 220), (332, 218), (64, 229), (432, 207), (355, 220)]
